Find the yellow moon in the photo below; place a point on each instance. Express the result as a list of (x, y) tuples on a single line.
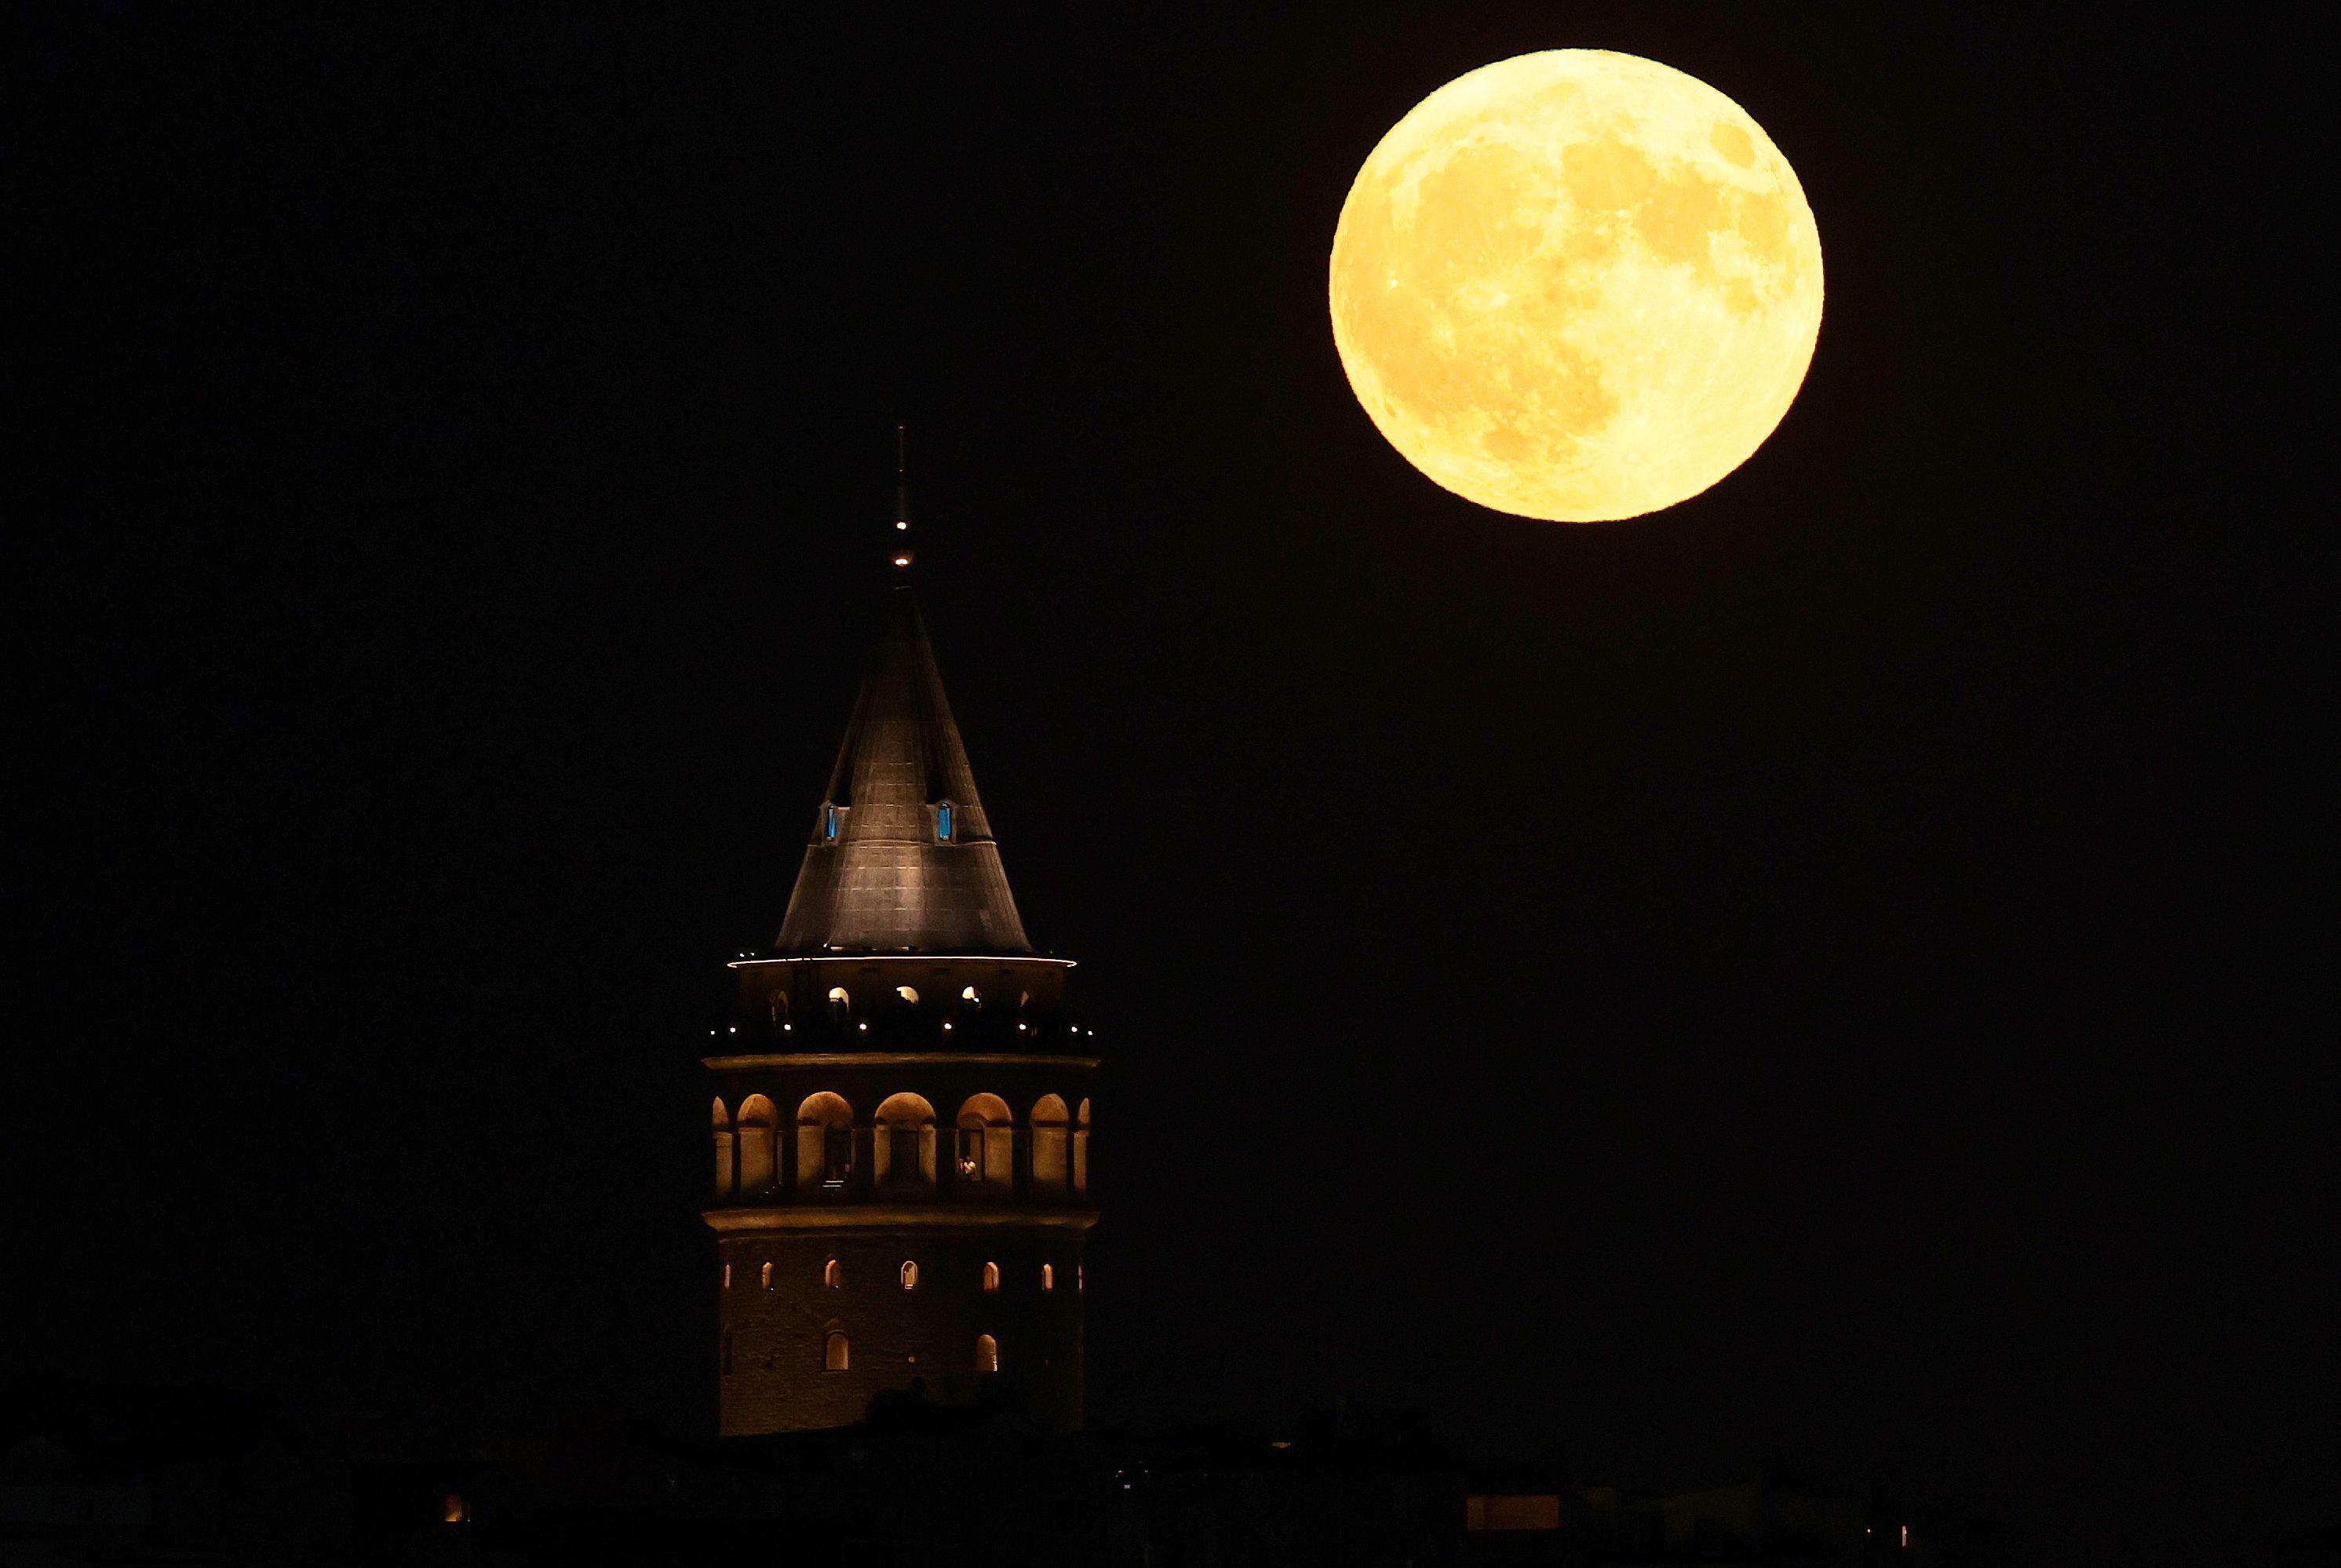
[(1576, 285)]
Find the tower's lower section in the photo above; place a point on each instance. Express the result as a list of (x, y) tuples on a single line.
[(823, 1312)]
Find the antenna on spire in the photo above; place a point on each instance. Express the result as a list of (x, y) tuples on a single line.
[(901, 555)]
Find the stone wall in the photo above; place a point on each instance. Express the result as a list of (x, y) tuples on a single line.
[(777, 1379)]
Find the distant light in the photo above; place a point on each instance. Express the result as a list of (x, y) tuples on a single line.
[(902, 524), (786, 1027), (947, 1023), (901, 560), (865, 1028), (735, 1029)]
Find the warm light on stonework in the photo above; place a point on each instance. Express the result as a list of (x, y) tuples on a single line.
[(956, 1161)]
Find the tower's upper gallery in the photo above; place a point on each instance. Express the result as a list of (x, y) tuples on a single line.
[(901, 859)]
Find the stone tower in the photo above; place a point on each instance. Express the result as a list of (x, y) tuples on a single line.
[(902, 1103)]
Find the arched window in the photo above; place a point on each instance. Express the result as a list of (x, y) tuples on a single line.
[(833, 1275), (985, 1160), (758, 1119), (1048, 1276), (986, 1354), (723, 1151), (905, 1144), (766, 1277), (837, 1352), (824, 1141), (727, 1276), (1049, 1146), (970, 1000), (909, 1275), (943, 821), (1082, 1148), (840, 1003), (992, 1279), (908, 994)]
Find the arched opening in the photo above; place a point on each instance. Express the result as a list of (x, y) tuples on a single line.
[(905, 1144), (837, 1352), (1049, 1144), (840, 1005), (758, 1122), (824, 1141), (909, 1275), (992, 1279), (1048, 1276), (985, 1156), (909, 994), (766, 1277), (986, 1354), (833, 1275), (1081, 1149), (727, 1276), (723, 1151), (970, 1000), (777, 1003)]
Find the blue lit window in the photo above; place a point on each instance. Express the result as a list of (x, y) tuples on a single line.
[(943, 822), (829, 822)]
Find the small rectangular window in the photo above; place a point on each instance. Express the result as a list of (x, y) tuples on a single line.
[(943, 823)]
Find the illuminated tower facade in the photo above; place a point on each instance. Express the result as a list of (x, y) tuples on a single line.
[(901, 1102)]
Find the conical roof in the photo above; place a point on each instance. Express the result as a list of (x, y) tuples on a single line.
[(901, 859)]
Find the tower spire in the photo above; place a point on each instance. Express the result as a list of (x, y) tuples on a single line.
[(898, 553), (901, 858)]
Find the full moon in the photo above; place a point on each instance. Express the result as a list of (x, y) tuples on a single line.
[(1576, 285)]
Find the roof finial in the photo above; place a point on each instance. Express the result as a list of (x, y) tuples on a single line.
[(901, 555)]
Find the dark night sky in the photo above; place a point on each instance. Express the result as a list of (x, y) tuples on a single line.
[(1828, 975)]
